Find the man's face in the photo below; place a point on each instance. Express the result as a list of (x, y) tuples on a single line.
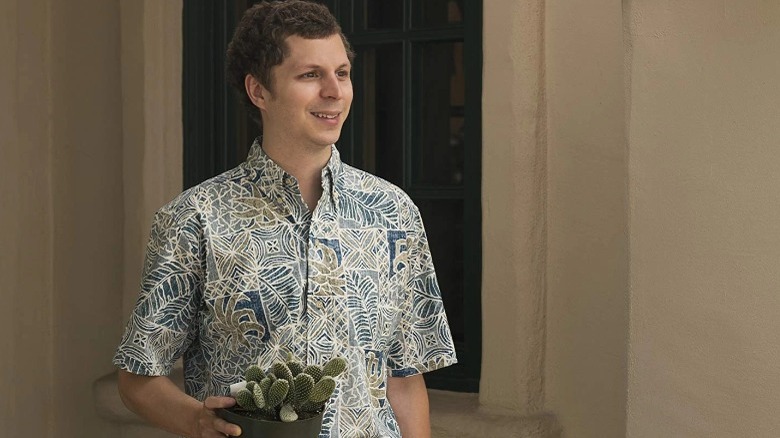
[(311, 93)]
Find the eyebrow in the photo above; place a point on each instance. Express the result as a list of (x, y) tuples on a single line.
[(316, 66)]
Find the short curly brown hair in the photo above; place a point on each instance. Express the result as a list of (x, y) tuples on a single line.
[(258, 43)]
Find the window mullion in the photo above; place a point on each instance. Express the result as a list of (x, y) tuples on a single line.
[(407, 21), (408, 108), (408, 99)]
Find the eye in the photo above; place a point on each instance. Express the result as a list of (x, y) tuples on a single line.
[(342, 73), (310, 75)]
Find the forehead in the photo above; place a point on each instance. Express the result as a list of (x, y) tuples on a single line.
[(328, 51)]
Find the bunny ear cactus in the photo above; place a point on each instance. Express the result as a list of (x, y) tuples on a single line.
[(322, 390), (282, 371), (303, 386), (245, 399), (294, 366), (254, 374), (334, 367), (289, 391), (287, 414), (277, 393), (258, 397), (315, 371)]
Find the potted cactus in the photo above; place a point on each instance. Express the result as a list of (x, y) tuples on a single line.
[(287, 400)]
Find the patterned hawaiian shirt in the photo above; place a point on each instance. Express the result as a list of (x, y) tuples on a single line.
[(238, 271)]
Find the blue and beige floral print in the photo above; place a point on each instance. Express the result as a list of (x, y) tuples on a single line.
[(238, 271)]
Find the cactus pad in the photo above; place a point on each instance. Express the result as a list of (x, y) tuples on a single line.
[(287, 414), (323, 390), (315, 371), (334, 367), (254, 374), (295, 367), (290, 392), (245, 400), (304, 383), (258, 396), (281, 371), (265, 384), (277, 393)]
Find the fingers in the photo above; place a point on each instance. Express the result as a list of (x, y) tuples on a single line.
[(219, 402), (217, 427), (226, 428)]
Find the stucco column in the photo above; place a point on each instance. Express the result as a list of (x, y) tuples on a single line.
[(151, 60), (26, 220), (152, 121), (513, 197), (587, 218)]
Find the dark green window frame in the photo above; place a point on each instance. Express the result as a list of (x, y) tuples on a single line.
[(214, 120)]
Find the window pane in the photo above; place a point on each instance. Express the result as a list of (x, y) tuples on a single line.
[(443, 220), (436, 13), (438, 118), (383, 14), (381, 110)]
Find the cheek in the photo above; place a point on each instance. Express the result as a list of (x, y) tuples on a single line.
[(294, 98), (347, 92)]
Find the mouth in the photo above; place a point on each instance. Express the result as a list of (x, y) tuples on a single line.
[(327, 115)]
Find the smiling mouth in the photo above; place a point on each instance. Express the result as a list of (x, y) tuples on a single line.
[(326, 115)]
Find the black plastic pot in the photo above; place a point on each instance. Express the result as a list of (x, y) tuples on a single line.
[(255, 428)]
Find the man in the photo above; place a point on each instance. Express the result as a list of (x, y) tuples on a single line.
[(291, 250)]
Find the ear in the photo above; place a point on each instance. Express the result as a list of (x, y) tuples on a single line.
[(257, 93)]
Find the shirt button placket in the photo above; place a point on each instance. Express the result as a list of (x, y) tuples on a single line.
[(309, 297)]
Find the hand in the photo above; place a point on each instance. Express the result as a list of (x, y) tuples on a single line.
[(211, 426)]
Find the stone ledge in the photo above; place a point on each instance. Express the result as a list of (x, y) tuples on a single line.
[(453, 414)]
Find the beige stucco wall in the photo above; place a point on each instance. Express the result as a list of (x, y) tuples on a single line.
[(151, 60), (661, 140), (705, 235), (129, 164), (151, 48), (587, 219), (26, 212), (87, 206), (513, 206), (62, 213)]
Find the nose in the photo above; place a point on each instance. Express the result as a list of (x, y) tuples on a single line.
[(331, 87)]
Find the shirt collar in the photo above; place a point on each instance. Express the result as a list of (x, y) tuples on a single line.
[(273, 177)]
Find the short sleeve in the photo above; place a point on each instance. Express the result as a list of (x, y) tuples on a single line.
[(163, 325), (422, 340)]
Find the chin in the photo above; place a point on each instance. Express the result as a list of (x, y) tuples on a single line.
[(327, 140)]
